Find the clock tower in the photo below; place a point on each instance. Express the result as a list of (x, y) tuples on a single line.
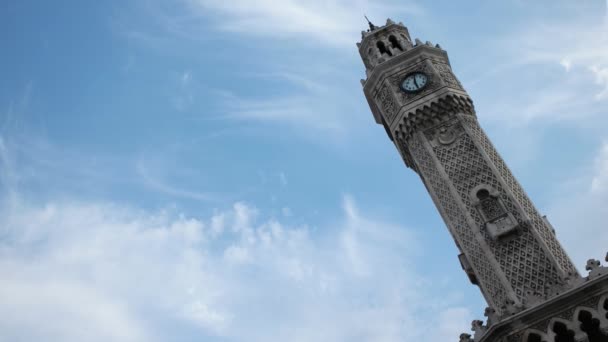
[(507, 248)]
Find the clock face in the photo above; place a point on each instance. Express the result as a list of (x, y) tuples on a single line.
[(414, 82)]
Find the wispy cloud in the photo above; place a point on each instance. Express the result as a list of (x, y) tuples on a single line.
[(314, 105), (532, 85), (156, 183), (331, 22)]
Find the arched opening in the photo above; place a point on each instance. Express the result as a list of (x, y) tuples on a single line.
[(606, 306), (591, 326), (395, 43), (382, 48), (534, 338), (483, 194), (562, 334)]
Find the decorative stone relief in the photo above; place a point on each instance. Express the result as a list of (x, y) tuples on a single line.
[(442, 110), (533, 298), (497, 220), (490, 283), (595, 269), (510, 307), (479, 329), (536, 221), (387, 103), (464, 337), (444, 70), (522, 259), (445, 134), (491, 315)]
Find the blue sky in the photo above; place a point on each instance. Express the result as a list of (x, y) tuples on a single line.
[(209, 170)]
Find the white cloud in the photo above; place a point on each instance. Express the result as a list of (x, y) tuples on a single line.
[(74, 271)]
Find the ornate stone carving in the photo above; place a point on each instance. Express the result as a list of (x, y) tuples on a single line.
[(592, 302), (479, 329), (541, 326), (497, 220), (521, 258), (445, 134), (444, 70), (441, 110), (456, 219), (533, 298), (464, 337), (595, 269), (387, 103), (566, 314), (536, 221), (491, 315), (511, 307)]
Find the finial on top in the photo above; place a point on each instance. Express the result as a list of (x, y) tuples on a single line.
[(371, 26)]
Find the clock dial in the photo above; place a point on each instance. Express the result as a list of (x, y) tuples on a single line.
[(414, 82)]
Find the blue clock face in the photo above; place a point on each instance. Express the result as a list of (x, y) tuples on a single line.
[(414, 82)]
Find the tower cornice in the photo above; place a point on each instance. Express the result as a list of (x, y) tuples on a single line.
[(401, 112)]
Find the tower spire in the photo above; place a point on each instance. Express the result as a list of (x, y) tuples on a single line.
[(371, 26)]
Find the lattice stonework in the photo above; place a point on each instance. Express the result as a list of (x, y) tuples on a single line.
[(453, 165), (537, 222), (455, 218)]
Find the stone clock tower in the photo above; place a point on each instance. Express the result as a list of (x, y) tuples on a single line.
[(507, 248)]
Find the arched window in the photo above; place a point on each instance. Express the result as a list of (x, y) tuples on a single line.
[(534, 338), (483, 194), (591, 326), (497, 220), (394, 43), (383, 50), (562, 334), (489, 205)]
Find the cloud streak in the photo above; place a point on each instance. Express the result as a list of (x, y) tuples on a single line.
[(330, 22)]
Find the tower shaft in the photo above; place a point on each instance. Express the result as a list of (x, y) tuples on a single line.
[(507, 248)]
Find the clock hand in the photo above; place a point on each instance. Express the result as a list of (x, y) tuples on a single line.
[(416, 83)]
